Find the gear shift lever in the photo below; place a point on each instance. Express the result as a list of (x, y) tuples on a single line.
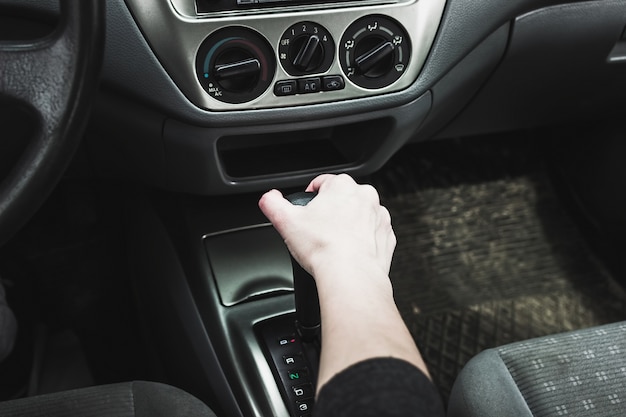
[(305, 290)]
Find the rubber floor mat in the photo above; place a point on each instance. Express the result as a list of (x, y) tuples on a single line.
[(486, 252)]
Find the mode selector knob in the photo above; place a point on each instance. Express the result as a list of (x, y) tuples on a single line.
[(374, 51), (306, 48), (376, 61), (235, 65)]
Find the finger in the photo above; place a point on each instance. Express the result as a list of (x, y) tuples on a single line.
[(385, 237), (384, 217), (391, 244), (370, 194), (331, 180), (386, 251), (276, 208), (317, 182)]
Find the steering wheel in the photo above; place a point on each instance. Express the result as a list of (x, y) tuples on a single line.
[(55, 79)]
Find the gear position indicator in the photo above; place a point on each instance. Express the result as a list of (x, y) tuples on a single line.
[(374, 52)]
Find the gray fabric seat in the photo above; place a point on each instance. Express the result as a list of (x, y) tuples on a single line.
[(130, 399), (579, 373)]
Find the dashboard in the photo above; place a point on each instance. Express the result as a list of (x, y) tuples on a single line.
[(232, 96)]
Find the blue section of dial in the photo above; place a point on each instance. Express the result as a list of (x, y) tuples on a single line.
[(209, 55)]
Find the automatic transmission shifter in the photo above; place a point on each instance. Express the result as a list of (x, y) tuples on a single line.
[(305, 290), (292, 344)]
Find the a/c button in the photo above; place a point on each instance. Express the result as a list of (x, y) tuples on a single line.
[(309, 85)]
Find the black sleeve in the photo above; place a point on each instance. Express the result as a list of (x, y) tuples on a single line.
[(381, 387)]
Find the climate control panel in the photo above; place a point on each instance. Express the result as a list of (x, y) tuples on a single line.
[(237, 65), (301, 55)]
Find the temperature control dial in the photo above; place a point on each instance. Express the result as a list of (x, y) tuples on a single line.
[(235, 65), (374, 51), (306, 48)]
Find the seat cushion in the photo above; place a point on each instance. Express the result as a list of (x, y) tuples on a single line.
[(576, 373), (130, 399)]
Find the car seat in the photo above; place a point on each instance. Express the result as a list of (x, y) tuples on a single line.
[(579, 373), (130, 399)]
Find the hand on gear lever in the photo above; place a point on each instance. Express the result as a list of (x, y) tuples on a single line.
[(344, 238), (305, 290)]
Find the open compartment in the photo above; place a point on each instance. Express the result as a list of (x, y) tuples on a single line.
[(264, 154)]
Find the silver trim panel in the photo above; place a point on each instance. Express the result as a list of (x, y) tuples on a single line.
[(175, 38)]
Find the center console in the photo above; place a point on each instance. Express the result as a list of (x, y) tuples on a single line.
[(214, 280), (215, 286)]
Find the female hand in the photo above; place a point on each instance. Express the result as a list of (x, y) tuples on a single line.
[(343, 226)]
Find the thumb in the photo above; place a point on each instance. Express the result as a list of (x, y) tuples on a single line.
[(276, 208)]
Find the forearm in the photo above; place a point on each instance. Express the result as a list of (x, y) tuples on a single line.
[(360, 321)]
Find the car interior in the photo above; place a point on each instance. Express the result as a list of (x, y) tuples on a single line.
[(137, 137)]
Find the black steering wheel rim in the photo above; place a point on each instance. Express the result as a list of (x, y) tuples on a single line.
[(56, 79)]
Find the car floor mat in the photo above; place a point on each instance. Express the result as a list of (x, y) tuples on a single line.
[(487, 254)]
